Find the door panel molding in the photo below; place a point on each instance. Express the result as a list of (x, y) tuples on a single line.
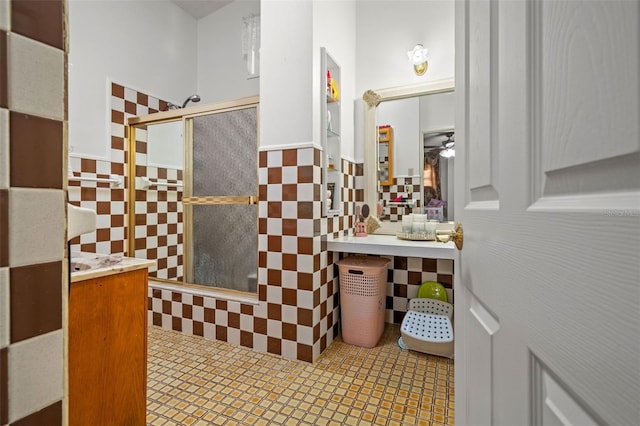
[(570, 153), (482, 135), (552, 401)]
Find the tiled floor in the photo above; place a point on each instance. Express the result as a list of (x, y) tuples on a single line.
[(192, 381)]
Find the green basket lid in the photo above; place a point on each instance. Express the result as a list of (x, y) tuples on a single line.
[(433, 290)]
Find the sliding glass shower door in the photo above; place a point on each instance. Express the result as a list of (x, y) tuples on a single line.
[(221, 242)]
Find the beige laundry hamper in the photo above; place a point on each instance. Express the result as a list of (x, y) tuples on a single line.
[(363, 282)]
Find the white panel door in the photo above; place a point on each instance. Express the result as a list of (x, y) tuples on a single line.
[(547, 319)]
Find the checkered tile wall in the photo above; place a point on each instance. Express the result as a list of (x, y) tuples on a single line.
[(33, 279)]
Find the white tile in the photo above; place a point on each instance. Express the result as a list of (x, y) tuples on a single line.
[(221, 317), (5, 20), (274, 226), (289, 314), (305, 191), (130, 95), (233, 336), (4, 147), (289, 210), (36, 226), (36, 372), (289, 349), (290, 174), (289, 244), (36, 78), (4, 307), (445, 266), (260, 343), (274, 294), (274, 329), (246, 322), (290, 279), (305, 156), (274, 158), (274, 192)]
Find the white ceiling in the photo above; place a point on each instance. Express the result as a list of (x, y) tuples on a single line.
[(201, 8)]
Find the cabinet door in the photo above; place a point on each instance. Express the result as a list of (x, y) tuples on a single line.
[(107, 350)]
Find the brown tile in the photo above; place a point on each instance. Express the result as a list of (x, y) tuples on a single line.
[(246, 339), (4, 81), (274, 277), (262, 259), (305, 281), (103, 234), (305, 317), (289, 192), (40, 20), (305, 245), (143, 99), (246, 309), (304, 352), (209, 315), (88, 165), (289, 297), (274, 311), (316, 158), (400, 262), (274, 209), (274, 243), (260, 325), (414, 277), (117, 246), (29, 134), (117, 90), (290, 157), (305, 210), (305, 174), (289, 262), (262, 225), (262, 159), (289, 227), (51, 415), (198, 328), (234, 320), (166, 307), (87, 194), (36, 300), (117, 117), (400, 290), (4, 227), (274, 346), (289, 331), (429, 265), (222, 305), (187, 311), (274, 175), (176, 323), (221, 333), (446, 280), (4, 386), (262, 192), (198, 301)]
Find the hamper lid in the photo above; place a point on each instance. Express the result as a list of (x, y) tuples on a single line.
[(364, 261)]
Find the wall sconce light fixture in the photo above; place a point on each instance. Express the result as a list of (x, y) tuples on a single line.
[(419, 59)]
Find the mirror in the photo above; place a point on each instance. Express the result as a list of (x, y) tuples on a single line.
[(416, 116)]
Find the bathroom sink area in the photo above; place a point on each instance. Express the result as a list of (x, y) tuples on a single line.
[(84, 266)]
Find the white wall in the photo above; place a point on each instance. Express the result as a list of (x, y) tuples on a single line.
[(387, 30), (286, 73), (221, 68), (403, 116), (148, 46), (334, 29)]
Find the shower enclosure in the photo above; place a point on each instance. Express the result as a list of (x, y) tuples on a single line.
[(216, 195)]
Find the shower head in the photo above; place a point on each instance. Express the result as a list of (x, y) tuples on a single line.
[(192, 98)]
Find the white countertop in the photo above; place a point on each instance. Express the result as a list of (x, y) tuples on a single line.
[(100, 265), (391, 245)]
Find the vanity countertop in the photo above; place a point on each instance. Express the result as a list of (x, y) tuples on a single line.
[(85, 266), (391, 245)]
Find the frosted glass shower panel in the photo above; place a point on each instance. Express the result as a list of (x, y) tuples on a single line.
[(225, 233), (225, 153)]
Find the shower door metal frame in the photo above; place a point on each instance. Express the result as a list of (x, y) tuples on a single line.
[(186, 115)]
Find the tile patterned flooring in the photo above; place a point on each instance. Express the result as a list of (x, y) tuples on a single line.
[(193, 381)]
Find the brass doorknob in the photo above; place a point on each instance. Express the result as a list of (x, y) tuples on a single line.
[(456, 235)]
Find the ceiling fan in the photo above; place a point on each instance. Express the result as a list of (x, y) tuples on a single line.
[(447, 148)]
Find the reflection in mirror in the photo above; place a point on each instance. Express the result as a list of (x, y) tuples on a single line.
[(437, 174), (412, 112)]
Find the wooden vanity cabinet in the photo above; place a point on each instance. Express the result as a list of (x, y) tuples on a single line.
[(108, 350)]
